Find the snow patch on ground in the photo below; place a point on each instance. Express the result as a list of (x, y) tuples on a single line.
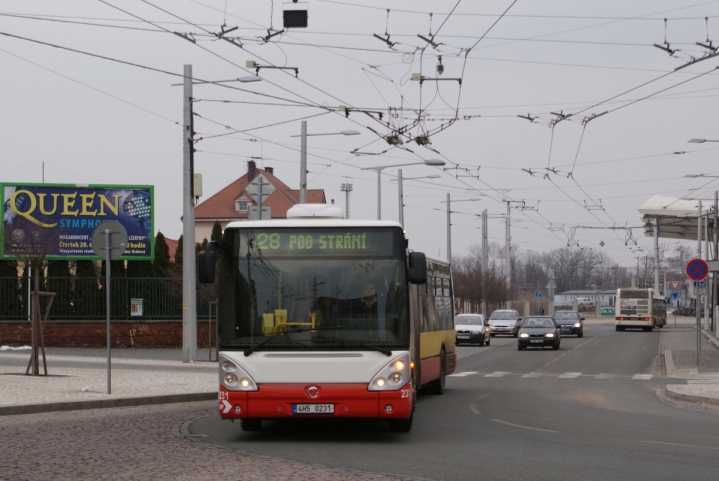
[(10, 348)]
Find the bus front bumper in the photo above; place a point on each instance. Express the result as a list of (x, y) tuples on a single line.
[(347, 401)]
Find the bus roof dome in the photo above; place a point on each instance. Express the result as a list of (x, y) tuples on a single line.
[(314, 210)]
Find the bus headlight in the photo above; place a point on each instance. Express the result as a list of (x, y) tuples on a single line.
[(234, 378), (392, 376)]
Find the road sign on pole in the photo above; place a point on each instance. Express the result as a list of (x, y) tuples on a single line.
[(697, 270), (674, 285), (538, 294), (675, 295), (109, 241)]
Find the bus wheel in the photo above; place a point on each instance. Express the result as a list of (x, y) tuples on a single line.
[(251, 424), (437, 386), (400, 425)]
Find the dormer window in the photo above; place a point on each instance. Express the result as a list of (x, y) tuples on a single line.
[(241, 205)]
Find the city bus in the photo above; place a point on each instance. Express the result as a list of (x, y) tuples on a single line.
[(640, 308), (319, 316)]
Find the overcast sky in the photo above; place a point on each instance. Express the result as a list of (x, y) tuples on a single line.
[(92, 120)]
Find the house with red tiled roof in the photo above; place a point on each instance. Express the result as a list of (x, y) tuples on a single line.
[(236, 202)]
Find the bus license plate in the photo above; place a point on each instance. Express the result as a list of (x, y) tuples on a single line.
[(313, 409)]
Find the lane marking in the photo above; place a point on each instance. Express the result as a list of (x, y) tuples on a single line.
[(576, 347), (498, 374), (683, 445), (570, 375), (524, 427), (605, 376), (642, 377), (473, 408), (462, 374), (486, 395)]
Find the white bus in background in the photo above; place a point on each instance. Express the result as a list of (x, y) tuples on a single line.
[(639, 308)]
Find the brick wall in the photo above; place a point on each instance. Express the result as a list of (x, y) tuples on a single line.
[(144, 334)]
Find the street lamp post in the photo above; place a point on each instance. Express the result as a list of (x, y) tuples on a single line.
[(400, 191), (303, 156), (379, 169)]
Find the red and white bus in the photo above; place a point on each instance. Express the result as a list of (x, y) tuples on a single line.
[(639, 308), (319, 316)]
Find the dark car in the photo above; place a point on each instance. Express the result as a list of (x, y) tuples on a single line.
[(504, 321), (570, 322), (471, 328), (539, 331)]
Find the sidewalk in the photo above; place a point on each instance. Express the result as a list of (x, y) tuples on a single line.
[(678, 344), (77, 379)]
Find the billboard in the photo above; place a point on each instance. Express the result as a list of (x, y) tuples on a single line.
[(60, 218)]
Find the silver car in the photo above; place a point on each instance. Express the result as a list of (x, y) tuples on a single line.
[(471, 328), (504, 321)]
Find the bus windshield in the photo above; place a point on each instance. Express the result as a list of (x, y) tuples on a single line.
[(323, 288)]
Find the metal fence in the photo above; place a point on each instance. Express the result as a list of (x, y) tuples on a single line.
[(84, 298)]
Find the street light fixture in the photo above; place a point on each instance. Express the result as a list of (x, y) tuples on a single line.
[(303, 156), (247, 79), (694, 176), (431, 162)]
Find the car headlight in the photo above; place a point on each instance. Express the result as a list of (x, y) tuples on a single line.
[(393, 376), (524, 334), (576, 324), (234, 378), (549, 334)]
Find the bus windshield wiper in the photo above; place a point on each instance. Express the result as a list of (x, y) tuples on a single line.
[(356, 342), (304, 329)]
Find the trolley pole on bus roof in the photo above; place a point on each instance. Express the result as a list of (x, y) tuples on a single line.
[(189, 291)]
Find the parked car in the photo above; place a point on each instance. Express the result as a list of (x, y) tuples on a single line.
[(471, 328), (539, 331), (570, 322), (504, 321)]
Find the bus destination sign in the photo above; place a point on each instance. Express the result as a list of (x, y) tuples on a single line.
[(318, 242)]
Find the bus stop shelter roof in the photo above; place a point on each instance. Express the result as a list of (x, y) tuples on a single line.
[(677, 218)]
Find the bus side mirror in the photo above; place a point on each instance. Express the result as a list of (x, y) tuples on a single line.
[(417, 272), (206, 267)]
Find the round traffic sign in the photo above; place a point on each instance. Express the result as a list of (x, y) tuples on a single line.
[(697, 270), (675, 295), (538, 294), (109, 235)]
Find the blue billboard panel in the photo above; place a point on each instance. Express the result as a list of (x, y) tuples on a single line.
[(59, 219)]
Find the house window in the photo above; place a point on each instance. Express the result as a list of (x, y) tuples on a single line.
[(241, 206)]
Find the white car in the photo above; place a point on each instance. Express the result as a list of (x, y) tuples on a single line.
[(504, 321), (471, 328)]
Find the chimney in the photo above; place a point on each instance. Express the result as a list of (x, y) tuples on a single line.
[(251, 170), (270, 170)]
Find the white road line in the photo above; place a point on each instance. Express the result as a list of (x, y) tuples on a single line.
[(642, 377), (683, 445), (485, 395), (462, 374), (605, 376), (497, 374), (524, 427), (473, 408), (570, 375), (535, 374)]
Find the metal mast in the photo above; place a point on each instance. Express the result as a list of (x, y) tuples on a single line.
[(347, 188)]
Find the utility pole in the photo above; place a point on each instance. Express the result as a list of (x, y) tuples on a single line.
[(189, 291), (715, 287), (485, 259), (401, 197), (507, 247), (347, 188), (696, 289), (449, 232), (303, 164), (656, 255)]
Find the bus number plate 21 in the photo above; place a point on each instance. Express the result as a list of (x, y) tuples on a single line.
[(313, 409)]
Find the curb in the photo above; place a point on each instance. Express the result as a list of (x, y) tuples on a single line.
[(106, 403), (690, 397), (711, 337)]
